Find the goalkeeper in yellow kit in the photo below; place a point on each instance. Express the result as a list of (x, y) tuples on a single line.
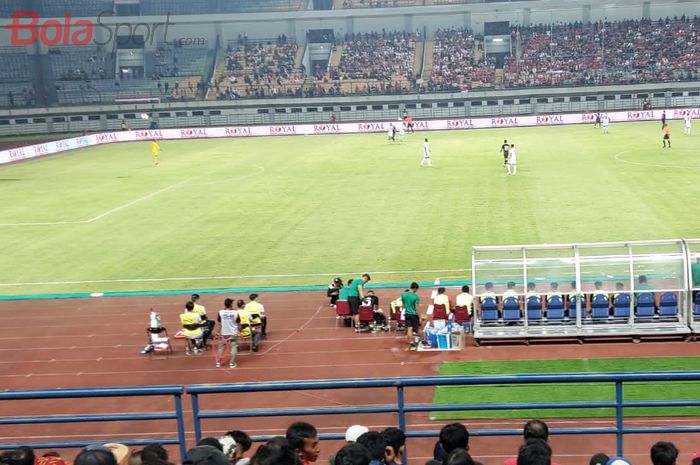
[(155, 150)]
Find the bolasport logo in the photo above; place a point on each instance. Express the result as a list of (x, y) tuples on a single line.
[(28, 28)]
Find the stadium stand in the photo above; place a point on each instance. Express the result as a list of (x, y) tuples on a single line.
[(15, 65), (259, 69), (58, 8), (625, 52), (194, 7), (454, 64), (80, 63)]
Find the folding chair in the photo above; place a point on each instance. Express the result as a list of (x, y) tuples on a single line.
[(160, 341), (396, 317), (365, 316), (342, 311), (439, 312), (463, 318)]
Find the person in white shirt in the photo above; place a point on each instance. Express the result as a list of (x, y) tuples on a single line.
[(426, 154), (391, 133), (512, 165), (606, 123), (686, 128), (402, 133), (228, 331)]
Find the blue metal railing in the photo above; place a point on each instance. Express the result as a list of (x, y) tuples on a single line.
[(401, 408), (176, 414)]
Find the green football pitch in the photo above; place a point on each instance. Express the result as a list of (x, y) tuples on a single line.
[(581, 392), (281, 211)]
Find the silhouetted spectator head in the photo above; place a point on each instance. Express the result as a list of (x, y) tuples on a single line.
[(352, 453), (95, 455), (465, 288), (664, 453), (536, 429), (599, 459), (535, 452), (375, 444), (211, 442), (454, 436), (396, 440), (205, 455), (154, 453), (22, 455), (459, 457), (276, 451)]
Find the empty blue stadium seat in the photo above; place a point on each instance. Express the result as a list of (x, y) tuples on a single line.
[(621, 306), (555, 308), (572, 306), (645, 305), (534, 309), (511, 309), (696, 307), (599, 306), (668, 304), (489, 310)]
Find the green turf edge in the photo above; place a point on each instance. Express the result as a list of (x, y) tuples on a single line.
[(233, 290), (676, 390)]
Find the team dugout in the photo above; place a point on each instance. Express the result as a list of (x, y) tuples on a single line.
[(587, 290)]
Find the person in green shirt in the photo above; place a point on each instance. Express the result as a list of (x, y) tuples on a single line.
[(695, 272), (643, 288), (410, 304), (355, 294)]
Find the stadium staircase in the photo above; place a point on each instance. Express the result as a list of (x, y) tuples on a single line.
[(429, 49), (336, 54), (478, 50), (498, 82), (301, 48)]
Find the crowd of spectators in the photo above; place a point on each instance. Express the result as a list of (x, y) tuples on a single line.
[(624, 52), (455, 66), (260, 69), (300, 446), (385, 57)]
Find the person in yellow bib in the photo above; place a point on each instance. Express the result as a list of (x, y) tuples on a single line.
[(192, 329), (256, 307), (207, 324), (155, 150), (254, 320)]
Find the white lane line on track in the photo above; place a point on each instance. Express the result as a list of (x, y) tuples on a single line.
[(101, 215)]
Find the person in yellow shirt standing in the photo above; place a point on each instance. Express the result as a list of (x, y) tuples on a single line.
[(155, 150)]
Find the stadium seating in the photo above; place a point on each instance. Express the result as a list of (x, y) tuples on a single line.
[(15, 65), (645, 305), (668, 305), (511, 309), (696, 306), (489, 310), (58, 8), (534, 309), (555, 308), (621, 306), (599, 307), (80, 63), (573, 307), (455, 66)]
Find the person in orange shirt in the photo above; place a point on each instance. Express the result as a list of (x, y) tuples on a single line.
[(667, 135)]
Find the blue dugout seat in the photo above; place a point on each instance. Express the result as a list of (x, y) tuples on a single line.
[(599, 306), (668, 305), (555, 308), (645, 305), (511, 309), (534, 309), (621, 306)]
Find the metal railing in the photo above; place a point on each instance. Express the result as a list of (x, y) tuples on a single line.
[(400, 408), (86, 393)]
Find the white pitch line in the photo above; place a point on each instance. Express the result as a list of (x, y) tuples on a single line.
[(251, 276), (659, 165), (101, 215)]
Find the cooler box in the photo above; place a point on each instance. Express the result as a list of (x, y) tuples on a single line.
[(443, 341), (457, 340)]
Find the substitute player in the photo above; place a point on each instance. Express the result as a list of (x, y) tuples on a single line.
[(667, 136), (687, 124), (511, 166), (155, 150), (426, 154)]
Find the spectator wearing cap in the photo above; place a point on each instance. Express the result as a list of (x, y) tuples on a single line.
[(664, 453), (618, 461), (333, 291), (235, 444), (354, 432)]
